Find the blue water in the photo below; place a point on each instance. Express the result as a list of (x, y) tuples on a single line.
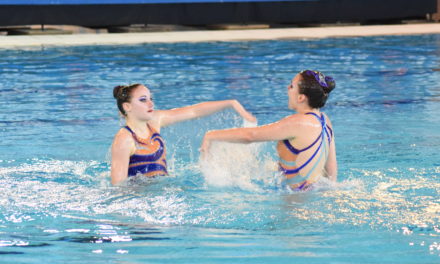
[(58, 118)]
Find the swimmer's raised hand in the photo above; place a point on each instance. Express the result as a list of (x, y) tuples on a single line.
[(242, 112)]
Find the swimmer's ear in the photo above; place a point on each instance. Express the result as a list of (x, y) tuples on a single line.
[(301, 98), (126, 106)]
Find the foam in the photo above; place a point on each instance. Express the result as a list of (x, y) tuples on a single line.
[(239, 165)]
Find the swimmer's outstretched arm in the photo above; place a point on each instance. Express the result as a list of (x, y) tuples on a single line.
[(283, 129), (168, 117)]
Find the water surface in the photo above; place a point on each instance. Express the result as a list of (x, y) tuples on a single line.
[(58, 119)]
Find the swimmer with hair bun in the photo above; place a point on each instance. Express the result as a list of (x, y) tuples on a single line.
[(306, 144), (138, 148)]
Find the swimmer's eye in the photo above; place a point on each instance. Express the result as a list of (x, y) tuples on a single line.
[(143, 99)]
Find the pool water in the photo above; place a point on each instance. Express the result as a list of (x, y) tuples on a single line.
[(58, 119)]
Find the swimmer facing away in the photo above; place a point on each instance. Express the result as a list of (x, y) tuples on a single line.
[(306, 144), (138, 147)]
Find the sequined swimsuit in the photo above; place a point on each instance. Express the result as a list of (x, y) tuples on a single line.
[(288, 155), (149, 159)]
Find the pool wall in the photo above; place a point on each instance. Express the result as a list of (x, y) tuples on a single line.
[(106, 13)]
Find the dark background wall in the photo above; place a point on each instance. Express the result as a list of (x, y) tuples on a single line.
[(105, 13)]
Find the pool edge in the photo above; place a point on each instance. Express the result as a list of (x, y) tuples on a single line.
[(11, 42)]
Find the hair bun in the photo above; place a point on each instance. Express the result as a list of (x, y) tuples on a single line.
[(331, 84), (119, 92)]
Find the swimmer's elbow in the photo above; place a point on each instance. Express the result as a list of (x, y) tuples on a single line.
[(331, 167), (248, 137), (332, 173), (333, 177)]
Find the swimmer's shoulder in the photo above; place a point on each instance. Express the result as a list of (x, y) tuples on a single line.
[(292, 122), (298, 122), (123, 138), (123, 143), (294, 119), (155, 122)]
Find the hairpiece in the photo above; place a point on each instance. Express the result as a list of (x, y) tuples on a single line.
[(319, 77), (124, 91)]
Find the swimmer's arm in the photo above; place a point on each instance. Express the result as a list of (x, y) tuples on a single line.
[(120, 157), (168, 117), (331, 166), (279, 130)]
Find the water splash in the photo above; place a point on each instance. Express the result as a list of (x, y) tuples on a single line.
[(240, 165)]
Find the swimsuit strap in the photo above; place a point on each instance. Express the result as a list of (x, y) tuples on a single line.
[(326, 128), (296, 170), (320, 118), (129, 130), (153, 133), (136, 141), (306, 177), (297, 151)]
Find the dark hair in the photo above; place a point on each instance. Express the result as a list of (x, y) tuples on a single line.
[(122, 94), (316, 86)]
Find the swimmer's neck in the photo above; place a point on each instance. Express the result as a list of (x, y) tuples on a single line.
[(306, 109), (138, 127)]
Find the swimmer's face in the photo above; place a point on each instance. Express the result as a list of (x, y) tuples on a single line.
[(293, 92), (141, 105)]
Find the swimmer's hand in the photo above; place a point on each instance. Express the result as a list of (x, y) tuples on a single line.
[(204, 149), (241, 111)]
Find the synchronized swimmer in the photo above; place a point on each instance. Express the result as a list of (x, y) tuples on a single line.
[(138, 147), (306, 144)]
